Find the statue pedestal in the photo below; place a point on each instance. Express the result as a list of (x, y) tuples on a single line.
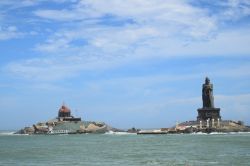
[(208, 114)]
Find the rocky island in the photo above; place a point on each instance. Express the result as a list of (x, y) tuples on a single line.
[(208, 119), (65, 123)]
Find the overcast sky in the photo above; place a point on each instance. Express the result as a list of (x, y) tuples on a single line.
[(129, 63)]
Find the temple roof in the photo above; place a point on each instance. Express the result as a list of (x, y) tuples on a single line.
[(64, 109)]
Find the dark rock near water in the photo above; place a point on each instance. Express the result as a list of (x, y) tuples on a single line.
[(133, 130)]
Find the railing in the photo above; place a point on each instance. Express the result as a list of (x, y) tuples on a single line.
[(59, 132)]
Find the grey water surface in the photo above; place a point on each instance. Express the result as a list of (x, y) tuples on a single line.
[(125, 149)]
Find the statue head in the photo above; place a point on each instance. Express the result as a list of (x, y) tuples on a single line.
[(207, 80)]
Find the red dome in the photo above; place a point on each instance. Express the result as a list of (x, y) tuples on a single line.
[(64, 109)]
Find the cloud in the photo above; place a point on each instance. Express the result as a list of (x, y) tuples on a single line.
[(226, 10), (7, 6), (12, 4), (236, 9), (66, 61), (10, 14), (105, 34), (41, 69), (235, 42), (144, 13), (168, 27), (240, 98), (59, 15), (238, 109), (9, 32)]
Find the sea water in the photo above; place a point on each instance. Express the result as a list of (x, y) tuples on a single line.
[(125, 149)]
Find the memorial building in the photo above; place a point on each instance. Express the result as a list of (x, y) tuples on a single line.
[(64, 114), (208, 115)]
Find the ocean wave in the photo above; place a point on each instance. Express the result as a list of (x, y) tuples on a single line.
[(239, 133), (7, 133), (119, 133), (10, 133), (199, 133), (219, 133)]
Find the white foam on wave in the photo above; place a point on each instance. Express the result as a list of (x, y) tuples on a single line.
[(10, 133), (7, 133), (119, 133), (236, 133), (199, 133), (219, 133), (239, 133)]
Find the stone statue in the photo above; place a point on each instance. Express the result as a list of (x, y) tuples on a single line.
[(207, 94), (208, 112)]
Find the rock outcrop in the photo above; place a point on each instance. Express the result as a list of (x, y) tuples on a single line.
[(66, 123), (67, 127)]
